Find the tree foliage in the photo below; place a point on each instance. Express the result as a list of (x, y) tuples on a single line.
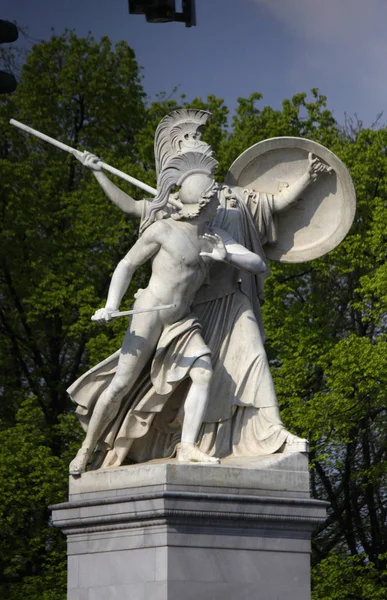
[(327, 333), (60, 240)]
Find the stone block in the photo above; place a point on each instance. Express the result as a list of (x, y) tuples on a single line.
[(170, 531)]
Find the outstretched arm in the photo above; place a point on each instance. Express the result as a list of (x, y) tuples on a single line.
[(226, 249), (133, 208), (142, 251), (288, 196)]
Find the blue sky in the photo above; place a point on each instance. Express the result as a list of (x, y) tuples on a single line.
[(276, 47)]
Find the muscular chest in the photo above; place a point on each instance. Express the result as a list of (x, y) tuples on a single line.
[(185, 249)]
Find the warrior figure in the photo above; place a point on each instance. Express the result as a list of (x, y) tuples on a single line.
[(181, 249), (241, 416)]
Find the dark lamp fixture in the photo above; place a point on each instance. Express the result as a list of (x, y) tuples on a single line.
[(8, 33), (164, 11)]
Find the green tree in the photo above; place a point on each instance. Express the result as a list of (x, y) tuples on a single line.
[(326, 327), (327, 336), (60, 240)]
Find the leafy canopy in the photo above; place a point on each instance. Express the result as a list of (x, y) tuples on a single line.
[(60, 241)]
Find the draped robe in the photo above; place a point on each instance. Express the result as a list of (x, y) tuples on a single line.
[(242, 416)]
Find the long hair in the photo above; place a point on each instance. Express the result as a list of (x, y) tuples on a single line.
[(176, 170)]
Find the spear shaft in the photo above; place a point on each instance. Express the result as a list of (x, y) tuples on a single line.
[(78, 154)]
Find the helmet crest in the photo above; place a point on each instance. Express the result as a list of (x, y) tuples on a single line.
[(180, 132)]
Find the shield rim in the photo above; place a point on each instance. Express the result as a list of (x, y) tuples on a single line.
[(287, 142)]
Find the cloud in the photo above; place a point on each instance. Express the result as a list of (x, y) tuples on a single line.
[(342, 42), (328, 21)]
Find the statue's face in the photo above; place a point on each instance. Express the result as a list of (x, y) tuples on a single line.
[(199, 195), (194, 186)]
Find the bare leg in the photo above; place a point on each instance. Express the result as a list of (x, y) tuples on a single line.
[(139, 344), (194, 410)]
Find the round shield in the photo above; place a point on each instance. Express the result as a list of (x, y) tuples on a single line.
[(321, 218)]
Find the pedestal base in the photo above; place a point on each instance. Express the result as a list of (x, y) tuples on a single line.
[(169, 531)]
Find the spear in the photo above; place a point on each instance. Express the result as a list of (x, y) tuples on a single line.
[(78, 154)]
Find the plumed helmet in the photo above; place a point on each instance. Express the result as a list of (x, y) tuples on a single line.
[(178, 170), (180, 132)]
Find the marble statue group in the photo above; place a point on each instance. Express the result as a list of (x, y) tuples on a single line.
[(192, 379)]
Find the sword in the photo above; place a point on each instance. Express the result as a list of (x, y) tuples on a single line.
[(116, 313)]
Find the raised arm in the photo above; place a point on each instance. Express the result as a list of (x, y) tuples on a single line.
[(289, 195), (142, 251), (226, 249), (130, 206)]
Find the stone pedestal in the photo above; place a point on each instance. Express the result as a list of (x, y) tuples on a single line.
[(169, 531)]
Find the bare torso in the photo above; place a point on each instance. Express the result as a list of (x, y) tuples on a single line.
[(178, 270)]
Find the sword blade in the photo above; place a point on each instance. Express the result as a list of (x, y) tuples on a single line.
[(136, 311)]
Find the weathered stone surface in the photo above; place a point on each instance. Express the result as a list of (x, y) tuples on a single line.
[(288, 198), (175, 532), (321, 218), (263, 475)]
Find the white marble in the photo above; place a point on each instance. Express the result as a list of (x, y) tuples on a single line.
[(288, 198), (187, 534), (181, 251), (324, 213), (280, 472)]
